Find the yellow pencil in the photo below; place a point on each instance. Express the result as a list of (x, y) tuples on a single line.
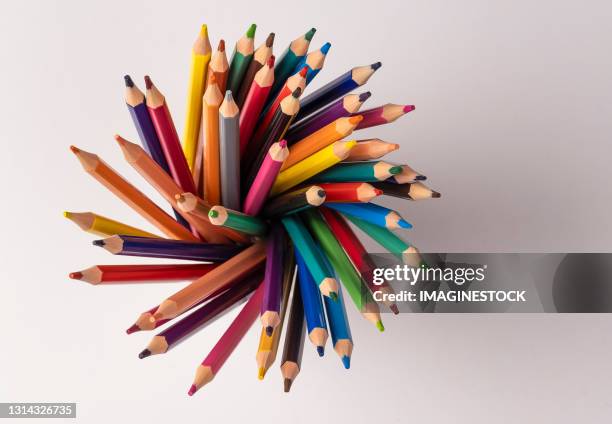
[(105, 227), (200, 57), (312, 165)]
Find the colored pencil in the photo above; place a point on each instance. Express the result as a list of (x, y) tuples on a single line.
[(349, 192), (272, 295), (361, 296), (305, 245), (230, 271), (199, 208), (358, 172), (337, 130), (238, 221), (166, 248), (371, 149), (290, 58), (406, 175), (168, 137), (229, 156), (357, 254), (313, 306), (383, 115), (295, 201), (126, 274), (387, 239), (268, 345), (135, 101), (314, 62), (294, 341), (165, 186), (410, 191), (211, 162), (340, 329), (258, 149), (311, 166), (130, 195), (260, 57), (254, 102), (337, 88), (102, 226), (346, 106), (241, 58), (219, 66), (213, 362), (200, 58), (373, 213), (207, 313), (144, 323), (259, 190)]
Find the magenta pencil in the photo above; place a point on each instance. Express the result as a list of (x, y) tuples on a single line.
[(272, 290), (382, 115), (259, 190)]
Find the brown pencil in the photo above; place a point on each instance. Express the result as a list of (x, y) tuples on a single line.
[(294, 341), (410, 191)]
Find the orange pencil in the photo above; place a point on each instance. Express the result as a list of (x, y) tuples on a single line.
[(133, 197), (211, 166), (320, 139), (163, 183)]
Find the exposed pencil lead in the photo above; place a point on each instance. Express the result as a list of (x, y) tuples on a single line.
[(271, 61), (435, 194), (321, 193), (287, 385), (119, 139), (296, 93), (261, 373), (270, 40), (404, 224), (228, 96), (321, 350), (204, 30), (99, 243), (394, 309), (394, 170), (304, 70), (325, 48), (346, 361), (134, 328), (282, 143), (269, 330), (75, 149), (148, 82), (365, 96), (308, 36), (420, 178), (67, 214), (251, 31), (409, 108), (380, 326), (378, 191), (333, 296), (192, 390), (128, 81), (145, 353), (221, 46), (76, 275), (213, 214), (376, 65), (355, 119)]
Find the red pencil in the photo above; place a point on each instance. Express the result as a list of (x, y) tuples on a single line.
[(125, 274), (357, 253), (349, 192), (255, 101), (168, 137)]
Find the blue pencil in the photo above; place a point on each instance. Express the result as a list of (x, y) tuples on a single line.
[(340, 329), (135, 101), (313, 306), (305, 244), (314, 62), (372, 213), (335, 89)]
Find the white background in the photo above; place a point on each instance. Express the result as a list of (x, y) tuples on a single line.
[(512, 126)]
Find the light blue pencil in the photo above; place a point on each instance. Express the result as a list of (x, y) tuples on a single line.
[(372, 213), (314, 62)]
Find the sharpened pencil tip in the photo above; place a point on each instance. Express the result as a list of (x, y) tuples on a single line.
[(321, 193), (355, 119), (76, 275), (304, 71), (380, 326), (282, 144), (270, 39), (192, 390), (221, 46), (365, 96), (261, 373), (148, 82), (308, 36), (204, 30), (394, 170), (297, 92), (99, 243), (376, 65), (251, 31), (333, 296), (346, 361), (145, 353), (134, 328), (67, 214), (271, 61), (394, 309), (75, 149), (325, 48), (228, 96), (287, 384), (420, 178), (128, 81), (409, 108), (378, 192), (213, 214), (120, 139), (321, 350), (404, 224), (436, 195), (269, 330)]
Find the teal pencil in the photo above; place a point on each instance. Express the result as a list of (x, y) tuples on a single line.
[(357, 172), (375, 214), (241, 59), (288, 61)]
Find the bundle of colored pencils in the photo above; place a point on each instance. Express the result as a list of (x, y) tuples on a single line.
[(266, 188)]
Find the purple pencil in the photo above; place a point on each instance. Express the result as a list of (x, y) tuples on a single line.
[(341, 108), (165, 248), (259, 190), (383, 115), (272, 289), (163, 341)]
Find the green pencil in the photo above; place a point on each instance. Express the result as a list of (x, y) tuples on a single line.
[(295, 201), (218, 215), (241, 58), (358, 172), (285, 66), (342, 265)]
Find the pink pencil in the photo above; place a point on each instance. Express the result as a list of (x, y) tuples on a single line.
[(211, 365), (382, 115), (265, 178)]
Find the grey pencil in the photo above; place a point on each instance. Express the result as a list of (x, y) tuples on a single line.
[(229, 155)]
